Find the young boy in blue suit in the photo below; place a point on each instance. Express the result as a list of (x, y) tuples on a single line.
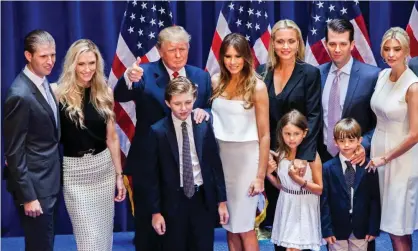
[(184, 180), (350, 201)]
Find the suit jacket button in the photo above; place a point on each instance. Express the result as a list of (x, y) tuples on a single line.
[(178, 189)]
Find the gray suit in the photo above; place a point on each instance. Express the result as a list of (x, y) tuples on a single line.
[(33, 172), (413, 64)]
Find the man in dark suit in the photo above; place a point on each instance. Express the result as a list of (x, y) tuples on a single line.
[(347, 87), (350, 200), (31, 137), (183, 175), (145, 85), (413, 64)]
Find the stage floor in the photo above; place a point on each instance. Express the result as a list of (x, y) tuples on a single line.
[(123, 241)]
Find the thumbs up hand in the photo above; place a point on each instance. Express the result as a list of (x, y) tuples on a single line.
[(135, 72)]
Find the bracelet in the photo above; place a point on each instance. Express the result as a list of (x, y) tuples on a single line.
[(385, 160), (119, 174), (304, 185)]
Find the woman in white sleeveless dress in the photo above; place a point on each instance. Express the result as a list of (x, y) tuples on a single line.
[(394, 150), (241, 126)]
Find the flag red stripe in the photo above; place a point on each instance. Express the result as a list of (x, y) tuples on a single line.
[(362, 25), (216, 44), (124, 121), (320, 53), (256, 63), (266, 39), (144, 59), (413, 41), (117, 67)]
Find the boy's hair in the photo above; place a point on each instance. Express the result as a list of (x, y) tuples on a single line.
[(294, 117), (180, 85), (347, 128)]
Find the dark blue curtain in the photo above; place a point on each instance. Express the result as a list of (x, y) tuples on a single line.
[(100, 22)]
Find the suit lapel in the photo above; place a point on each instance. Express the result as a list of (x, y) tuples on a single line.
[(338, 171), (359, 176), (294, 79), (161, 75), (324, 75), (198, 140), (172, 139), (268, 79), (41, 99), (352, 85)]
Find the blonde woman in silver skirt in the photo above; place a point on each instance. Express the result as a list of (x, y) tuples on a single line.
[(92, 164)]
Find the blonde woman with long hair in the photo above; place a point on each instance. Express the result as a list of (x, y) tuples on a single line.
[(241, 126), (92, 164), (291, 84), (394, 148)]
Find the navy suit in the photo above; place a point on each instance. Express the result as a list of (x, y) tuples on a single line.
[(148, 95), (413, 64), (361, 85), (189, 222), (335, 203)]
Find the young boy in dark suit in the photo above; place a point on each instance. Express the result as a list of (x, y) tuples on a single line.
[(350, 201), (183, 175)]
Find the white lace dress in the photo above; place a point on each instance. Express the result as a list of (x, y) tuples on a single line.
[(297, 222)]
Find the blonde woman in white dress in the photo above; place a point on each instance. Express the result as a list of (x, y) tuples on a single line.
[(394, 149), (241, 125)]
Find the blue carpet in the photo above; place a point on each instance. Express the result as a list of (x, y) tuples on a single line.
[(123, 241)]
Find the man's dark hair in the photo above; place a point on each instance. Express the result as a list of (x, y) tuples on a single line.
[(340, 26), (37, 37)]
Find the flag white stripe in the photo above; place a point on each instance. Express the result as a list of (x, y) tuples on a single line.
[(222, 26), (362, 45), (123, 53), (309, 57), (153, 55), (413, 22), (125, 144), (212, 64), (260, 51)]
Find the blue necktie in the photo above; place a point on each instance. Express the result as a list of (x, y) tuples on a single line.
[(188, 180), (349, 177), (50, 100)]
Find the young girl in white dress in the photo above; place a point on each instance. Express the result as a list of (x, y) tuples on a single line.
[(297, 223)]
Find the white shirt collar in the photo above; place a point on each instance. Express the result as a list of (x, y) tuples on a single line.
[(343, 160), (345, 69), (177, 122), (182, 71), (33, 77)]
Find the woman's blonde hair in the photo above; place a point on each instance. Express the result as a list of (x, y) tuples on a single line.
[(248, 76), (400, 35), (71, 93), (273, 59)]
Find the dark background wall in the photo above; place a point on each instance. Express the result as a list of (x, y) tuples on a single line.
[(100, 22)]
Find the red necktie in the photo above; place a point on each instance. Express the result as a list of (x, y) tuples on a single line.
[(175, 74)]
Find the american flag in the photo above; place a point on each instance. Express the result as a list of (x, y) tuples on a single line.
[(248, 18), (251, 20), (141, 24), (324, 11), (412, 30)]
